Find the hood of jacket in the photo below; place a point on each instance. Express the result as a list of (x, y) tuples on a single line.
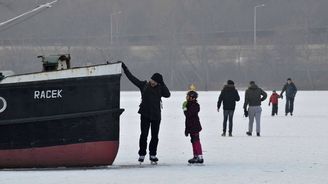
[(228, 87), (253, 87)]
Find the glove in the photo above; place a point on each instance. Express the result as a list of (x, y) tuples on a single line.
[(245, 113), (184, 106), (281, 96), (186, 133)]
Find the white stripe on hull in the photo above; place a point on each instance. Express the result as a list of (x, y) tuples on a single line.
[(90, 71)]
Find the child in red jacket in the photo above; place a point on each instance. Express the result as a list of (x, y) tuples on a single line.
[(193, 126), (274, 100)]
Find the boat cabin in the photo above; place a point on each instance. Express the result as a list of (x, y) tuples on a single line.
[(56, 62)]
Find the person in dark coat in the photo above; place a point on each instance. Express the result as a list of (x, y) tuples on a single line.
[(229, 96), (291, 91), (193, 126), (274, 98), (150, 110), (253, 98)]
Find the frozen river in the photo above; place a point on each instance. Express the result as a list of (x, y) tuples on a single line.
[(290, 150)]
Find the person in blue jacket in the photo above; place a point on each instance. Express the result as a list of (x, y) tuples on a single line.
[(291, 91)]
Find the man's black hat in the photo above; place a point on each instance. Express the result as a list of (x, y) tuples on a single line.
[(157, 78)]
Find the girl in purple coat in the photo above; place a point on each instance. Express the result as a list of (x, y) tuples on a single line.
[(193, 126)]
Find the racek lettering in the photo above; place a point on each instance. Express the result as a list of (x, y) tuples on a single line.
[(47, 94)]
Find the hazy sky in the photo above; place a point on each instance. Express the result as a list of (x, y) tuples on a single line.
[(76, 18)]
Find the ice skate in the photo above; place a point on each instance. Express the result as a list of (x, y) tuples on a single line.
[(196, 160), (141, 159), (153, 160), (200, 161), (193, 160)]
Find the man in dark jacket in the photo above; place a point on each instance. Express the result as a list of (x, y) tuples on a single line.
[(229, 96), (253, 98), (291, 91), (150, 111)]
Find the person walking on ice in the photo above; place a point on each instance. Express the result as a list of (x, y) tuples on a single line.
[(192, 126), (229, 96), (253, 98), (149, 110), (274, 101), (291, 91)]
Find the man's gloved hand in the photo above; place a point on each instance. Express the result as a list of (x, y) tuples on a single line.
[(245, 113)]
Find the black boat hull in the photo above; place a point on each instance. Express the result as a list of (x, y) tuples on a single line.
[(65, 121)]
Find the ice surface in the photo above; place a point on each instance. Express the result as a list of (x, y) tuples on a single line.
[(290, 150)]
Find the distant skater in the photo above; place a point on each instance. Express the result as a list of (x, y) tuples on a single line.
[(291, 91), (192, 126), (274, 101), (253, 98), (150, 111), (229, 96)]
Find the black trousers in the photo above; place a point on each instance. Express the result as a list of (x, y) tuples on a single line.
[(289, 105), (274, 109), (228, 114), (145, 124)]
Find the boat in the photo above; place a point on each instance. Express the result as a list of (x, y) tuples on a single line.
[(61, 116)]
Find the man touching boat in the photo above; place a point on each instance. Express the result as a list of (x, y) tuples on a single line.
[(150, 111)]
